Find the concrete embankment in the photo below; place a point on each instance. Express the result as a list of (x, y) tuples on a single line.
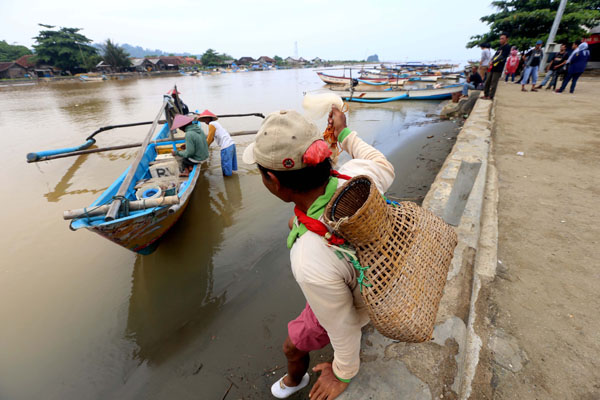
[(519, 315), (445, 366), (538, 318)]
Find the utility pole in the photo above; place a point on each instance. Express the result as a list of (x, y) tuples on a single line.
[(555, 24)]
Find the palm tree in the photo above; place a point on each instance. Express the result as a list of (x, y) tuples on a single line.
[(115, 56)]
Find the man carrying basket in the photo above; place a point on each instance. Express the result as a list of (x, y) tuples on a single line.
[(295, 166)]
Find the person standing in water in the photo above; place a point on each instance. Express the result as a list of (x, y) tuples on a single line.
[(217, 133)]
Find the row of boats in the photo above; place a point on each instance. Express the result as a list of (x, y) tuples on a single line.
[(391, 84)]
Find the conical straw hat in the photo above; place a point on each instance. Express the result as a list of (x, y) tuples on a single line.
[(407, 250), (180, 121), (208, 114)]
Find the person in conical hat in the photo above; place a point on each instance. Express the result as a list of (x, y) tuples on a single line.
[(196, 147), (217, 133), (295, 165)]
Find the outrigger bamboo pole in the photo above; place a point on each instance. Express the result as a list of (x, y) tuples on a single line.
[(119, 147), (133, 205), (116, 204)]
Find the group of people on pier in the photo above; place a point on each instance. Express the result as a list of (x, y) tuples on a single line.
[(568, 64)]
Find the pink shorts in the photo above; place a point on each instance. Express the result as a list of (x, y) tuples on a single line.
[(306, 333)]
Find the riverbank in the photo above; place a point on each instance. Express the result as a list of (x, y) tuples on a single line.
[(73, 78)]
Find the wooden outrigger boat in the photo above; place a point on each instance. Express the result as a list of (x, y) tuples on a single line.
[(394, 94), (140, 230), (149, 197), (147, 207)]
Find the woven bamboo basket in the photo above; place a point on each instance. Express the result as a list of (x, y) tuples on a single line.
[(407, 250)]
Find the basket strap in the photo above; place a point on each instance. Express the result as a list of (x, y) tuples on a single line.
[(316, 226), (340, 176)]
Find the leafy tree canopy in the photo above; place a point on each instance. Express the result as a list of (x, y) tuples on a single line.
[(64, 48), (527, 21), (114, 55), (278, 60), (211, 57), (10, 52)]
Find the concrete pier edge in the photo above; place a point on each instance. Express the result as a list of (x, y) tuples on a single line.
[(445, 367)]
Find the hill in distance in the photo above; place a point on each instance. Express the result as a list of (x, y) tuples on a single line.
[(140, 52)]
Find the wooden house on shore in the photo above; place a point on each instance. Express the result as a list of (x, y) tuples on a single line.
[(245, 61), (12, 70)]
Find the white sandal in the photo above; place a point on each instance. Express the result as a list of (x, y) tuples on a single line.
[(281, 391)]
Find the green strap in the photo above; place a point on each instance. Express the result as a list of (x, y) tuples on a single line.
[(361, 278), (315, 211), (343, 134), (342, 379)]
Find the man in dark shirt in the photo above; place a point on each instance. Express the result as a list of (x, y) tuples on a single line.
[(498, 61), (473, 82), (555, 67)]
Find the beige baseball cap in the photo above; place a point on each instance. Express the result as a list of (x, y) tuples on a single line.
[(281, 141)]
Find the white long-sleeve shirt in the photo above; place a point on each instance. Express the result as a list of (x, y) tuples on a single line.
[(328, 282)]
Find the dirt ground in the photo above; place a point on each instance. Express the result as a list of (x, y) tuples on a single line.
[(544, 304)]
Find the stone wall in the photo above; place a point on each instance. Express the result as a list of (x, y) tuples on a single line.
[(443, 367)]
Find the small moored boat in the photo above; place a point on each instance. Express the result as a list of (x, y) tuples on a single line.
[(344, 80), (394, 94)]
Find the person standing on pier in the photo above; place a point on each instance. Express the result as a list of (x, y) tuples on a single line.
[(217, 133), (295, 165), (484, 63), (534, 59), (576, 65), (556, 65), (498, 61), (512, 64)]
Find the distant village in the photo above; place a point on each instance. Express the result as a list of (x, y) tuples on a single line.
[(27, 67)]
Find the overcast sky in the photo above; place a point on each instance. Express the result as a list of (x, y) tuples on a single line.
[(396, 30)]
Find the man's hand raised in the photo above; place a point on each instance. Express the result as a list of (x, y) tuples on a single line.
[(337, 119)]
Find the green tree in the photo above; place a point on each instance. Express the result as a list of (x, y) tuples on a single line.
[(91, 61), (114, 55), (278, 60), (64, 48), (224, 56), (9, 52), (210, 57), (527, 21)]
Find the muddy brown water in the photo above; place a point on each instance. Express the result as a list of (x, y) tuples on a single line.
[(82, 318)]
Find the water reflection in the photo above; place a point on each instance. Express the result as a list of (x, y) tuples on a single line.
[(80, 111), (61, 188), (173, 296)]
